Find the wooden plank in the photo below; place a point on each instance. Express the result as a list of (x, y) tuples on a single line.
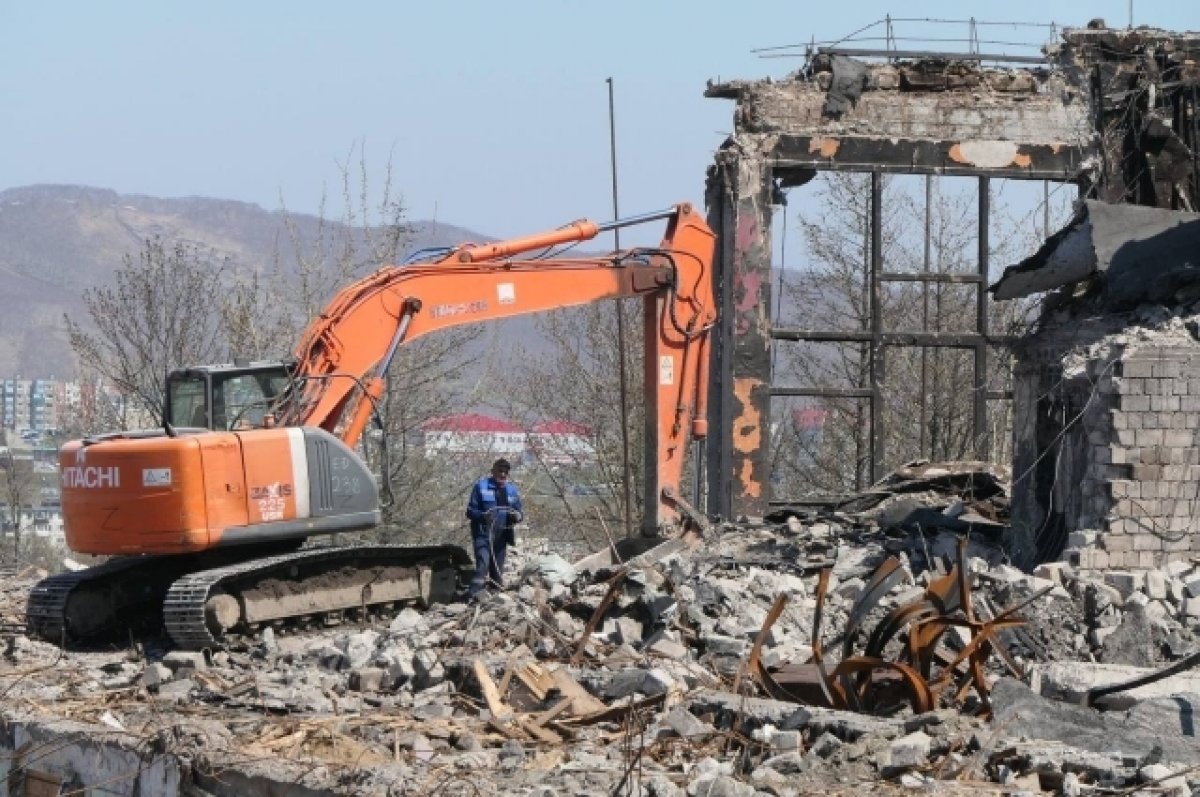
[(538, 732), (41, 784), (508, 730), (491, 695), (559, 707), (618, 713), (284, 741), (506, 679), (535, 678), (582, 701)]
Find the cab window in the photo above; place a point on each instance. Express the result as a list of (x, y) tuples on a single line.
[(188, 404), (241, 401)]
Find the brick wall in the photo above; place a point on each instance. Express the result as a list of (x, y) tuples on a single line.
[(1141, 483), (1108, 465)]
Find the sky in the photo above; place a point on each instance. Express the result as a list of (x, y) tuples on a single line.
[(493, 115)]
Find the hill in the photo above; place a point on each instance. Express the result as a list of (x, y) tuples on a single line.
[(56, 241)]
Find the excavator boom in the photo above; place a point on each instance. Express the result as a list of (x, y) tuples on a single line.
[(344, 355)]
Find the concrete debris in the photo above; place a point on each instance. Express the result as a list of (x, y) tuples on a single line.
[(1126, 738), (640, 678), (1139, 254)]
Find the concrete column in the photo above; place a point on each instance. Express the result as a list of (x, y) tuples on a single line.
[(739, 210)]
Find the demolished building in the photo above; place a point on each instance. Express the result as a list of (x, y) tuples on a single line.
[(1105, 388), (1107, 391), (1112, 112), (676, 673)]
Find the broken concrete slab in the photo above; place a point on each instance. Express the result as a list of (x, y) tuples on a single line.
[(1071, 681), (757, 712), (1019, 712), (1143, 254)]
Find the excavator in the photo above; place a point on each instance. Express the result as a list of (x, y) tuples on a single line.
[(205, 518)]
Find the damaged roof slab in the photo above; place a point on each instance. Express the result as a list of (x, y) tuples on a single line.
[(929, 115), (1139, 254)]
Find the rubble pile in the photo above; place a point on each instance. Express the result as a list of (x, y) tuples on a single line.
[(655, 676)]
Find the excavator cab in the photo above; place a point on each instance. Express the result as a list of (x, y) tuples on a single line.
[(225, 397)]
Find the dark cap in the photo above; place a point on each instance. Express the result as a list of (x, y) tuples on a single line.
[(501, 465)]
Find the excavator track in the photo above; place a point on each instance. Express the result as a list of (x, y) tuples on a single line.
[(137, 595), (87, 605), (202, 607)]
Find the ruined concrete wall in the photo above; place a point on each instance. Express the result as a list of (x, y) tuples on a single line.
[(928, 116), (1146, 465), (1107, 465), (1047, 112), (1145, 89), (739, 405), (84, 759), (57, 756)]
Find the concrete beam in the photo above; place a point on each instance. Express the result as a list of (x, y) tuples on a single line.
[(944, 156), (984, 123)]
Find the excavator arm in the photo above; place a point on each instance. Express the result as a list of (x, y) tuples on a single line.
[(343, 357)]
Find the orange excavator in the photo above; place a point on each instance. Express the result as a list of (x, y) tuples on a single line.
[(204, 518)]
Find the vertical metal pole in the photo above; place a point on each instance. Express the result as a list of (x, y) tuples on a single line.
[(779, 290), (626, 470), (982, 438), (1045, 209), (862, 452), (925, 316), (720, 196), (1195, 147), (877, 353)]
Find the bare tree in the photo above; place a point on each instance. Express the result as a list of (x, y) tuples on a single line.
[(18, 483), (571, 374), (422, 494), (370, 231), (162, 312), (928, 394), (95, 407), (253, 316), (424, 491)]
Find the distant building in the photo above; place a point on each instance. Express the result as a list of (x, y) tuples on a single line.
[(562, 443), (809, 419), (14, 411), (552, 442), (808, 424), (473, 434), (39, 502), (36, 405)]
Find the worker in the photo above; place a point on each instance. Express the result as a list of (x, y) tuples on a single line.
[(494, 509)]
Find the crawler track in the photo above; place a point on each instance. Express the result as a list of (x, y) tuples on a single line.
[(309, 583), (133, 596), (96, 604)]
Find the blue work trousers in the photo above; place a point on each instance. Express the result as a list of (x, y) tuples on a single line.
[(491, 546)]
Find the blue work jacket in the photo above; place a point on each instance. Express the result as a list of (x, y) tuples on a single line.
[(483, 498)]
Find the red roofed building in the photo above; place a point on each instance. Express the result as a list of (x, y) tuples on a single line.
[(808, 424), (552, 442), (809, 419), (562, 443), (473, 433)]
